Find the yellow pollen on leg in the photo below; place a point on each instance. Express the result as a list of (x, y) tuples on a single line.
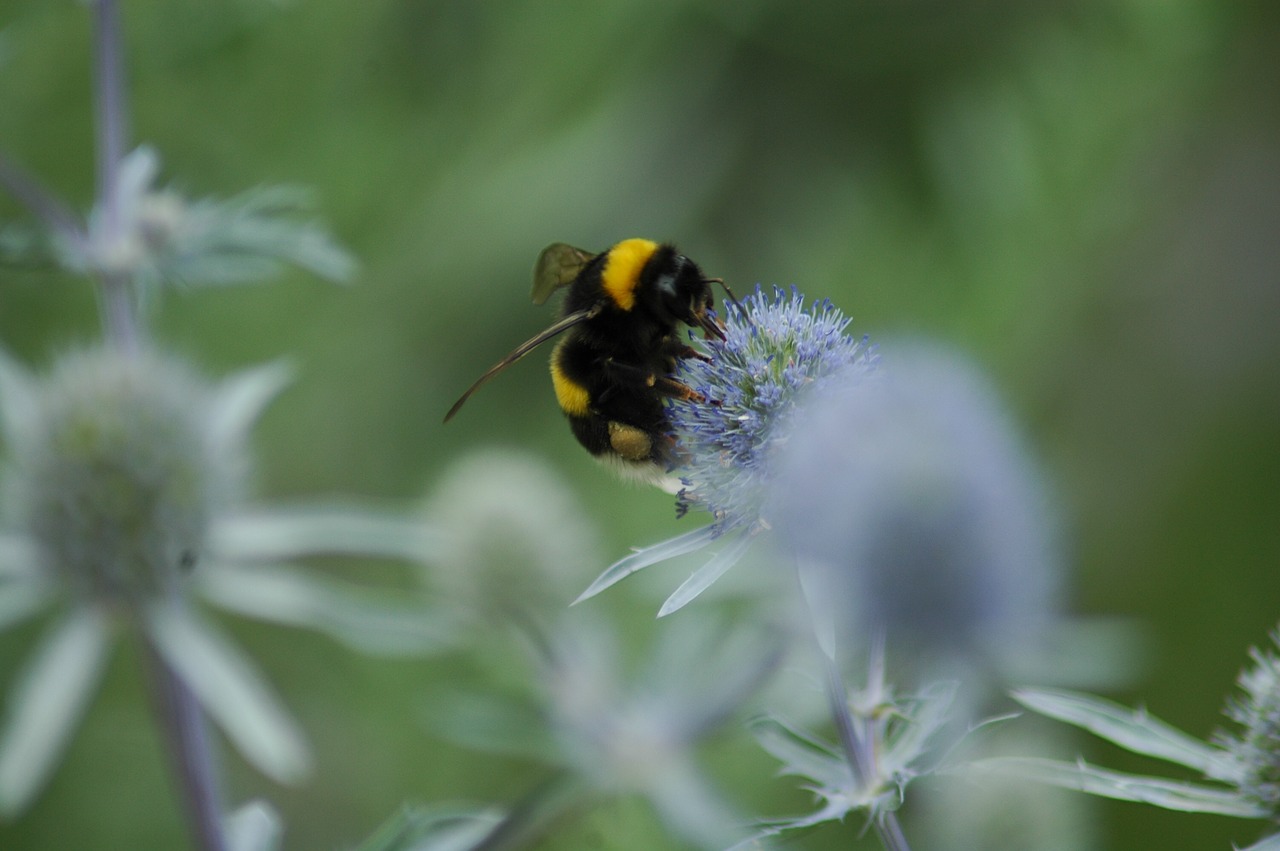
[(629, 442)]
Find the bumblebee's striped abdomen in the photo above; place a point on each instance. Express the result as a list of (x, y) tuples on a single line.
[(611, 405), (573, 396)]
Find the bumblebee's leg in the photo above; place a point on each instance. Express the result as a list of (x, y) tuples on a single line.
[(627, 374), (675, 350)]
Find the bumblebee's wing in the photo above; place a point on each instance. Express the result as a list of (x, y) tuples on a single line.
[(524, 349), (557, 266)]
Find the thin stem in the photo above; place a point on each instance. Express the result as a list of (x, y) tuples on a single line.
[(42, 203), (111, 118), (119, 312), (110, 110), (531, 817), (190, 751), (859, 753)]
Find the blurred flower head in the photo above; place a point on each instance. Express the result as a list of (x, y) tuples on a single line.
[(511, 533), (117, 470), (124, 502), (912, 508)]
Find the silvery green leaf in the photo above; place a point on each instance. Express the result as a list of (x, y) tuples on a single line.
[(18, 407), (1133, 730), (231, 690), (283, 533), (254, 826), (689, 808), (703, 577), (241, 399), (18, 559), (136, 174), (250, 237), (46, 702), (1270, 843), (834, 808), (416, 828), (745, 658), (1169, 794), (801, 754), (929, 713), (490, 725), (350, 616), (21, 600), (642, 558)]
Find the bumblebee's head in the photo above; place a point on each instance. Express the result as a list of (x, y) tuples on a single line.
[(678, 290)]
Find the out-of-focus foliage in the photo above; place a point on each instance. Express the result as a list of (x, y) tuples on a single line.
[(1083, 194)]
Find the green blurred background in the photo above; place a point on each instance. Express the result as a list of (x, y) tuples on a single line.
[(1086, 196)]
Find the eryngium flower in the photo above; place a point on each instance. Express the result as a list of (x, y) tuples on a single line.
[(776, 352), (116, 474), (912, 507), (512, 536), (754, 377), (1256, 747), (123, 504)]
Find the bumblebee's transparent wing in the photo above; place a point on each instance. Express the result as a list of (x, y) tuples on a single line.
[(524, 349), (557, 266)]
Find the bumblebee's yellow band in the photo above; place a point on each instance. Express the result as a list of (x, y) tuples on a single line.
[(622, 270), (571, 395)]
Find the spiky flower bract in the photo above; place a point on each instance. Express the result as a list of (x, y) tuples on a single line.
[(777, 352)]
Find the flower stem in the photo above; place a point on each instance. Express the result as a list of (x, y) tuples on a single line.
[(859, 753), (43, 204), (189, 748), (111, 119), (110, 108), (530, 818)]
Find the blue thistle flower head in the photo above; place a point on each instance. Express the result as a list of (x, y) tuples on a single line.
[(914, 508), (775, 350)]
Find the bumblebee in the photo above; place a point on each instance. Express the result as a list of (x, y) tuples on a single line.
[(612, 369)]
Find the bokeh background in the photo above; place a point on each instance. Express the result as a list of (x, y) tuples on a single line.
[(1084, 195)]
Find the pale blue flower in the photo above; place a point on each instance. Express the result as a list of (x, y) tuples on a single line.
[(125, 503), (912, 508)]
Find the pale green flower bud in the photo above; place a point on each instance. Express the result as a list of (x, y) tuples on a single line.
[(116, 471)]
